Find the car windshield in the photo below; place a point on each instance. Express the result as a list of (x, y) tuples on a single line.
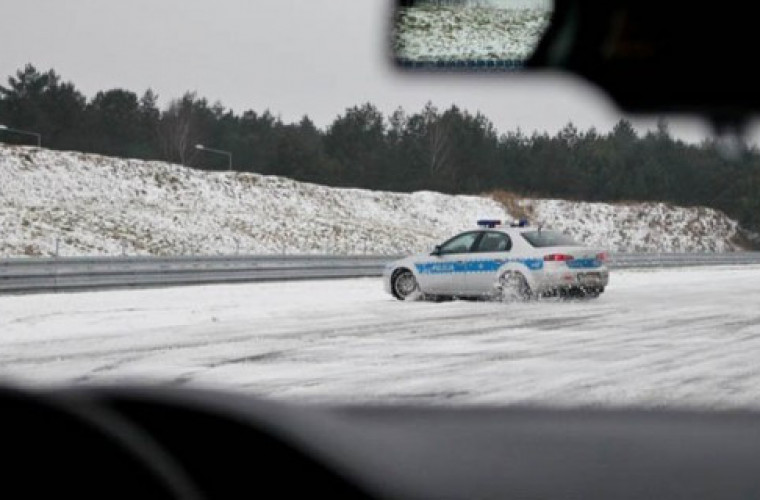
[(541, 239), (248, 195)]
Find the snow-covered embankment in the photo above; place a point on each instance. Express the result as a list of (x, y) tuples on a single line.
[(95, 205)]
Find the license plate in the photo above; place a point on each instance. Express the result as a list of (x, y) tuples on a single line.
[(590, 278)]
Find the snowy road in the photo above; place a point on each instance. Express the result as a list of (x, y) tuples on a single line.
[(677, 337)]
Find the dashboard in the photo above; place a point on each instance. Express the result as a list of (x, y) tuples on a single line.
[(170, 443)]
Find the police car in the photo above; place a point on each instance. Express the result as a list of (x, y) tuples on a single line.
[(508, 262)]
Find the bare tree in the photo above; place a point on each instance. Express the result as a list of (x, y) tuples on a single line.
[(177, 129), (438, 140)]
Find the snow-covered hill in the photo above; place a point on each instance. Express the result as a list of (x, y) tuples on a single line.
[(95, 205), (637, 227)]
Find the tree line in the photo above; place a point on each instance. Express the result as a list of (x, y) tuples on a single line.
[(451, 150)]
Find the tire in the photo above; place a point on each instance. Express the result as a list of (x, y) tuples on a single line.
[(593, 293), (404, 285), (513, 287), (581, 293)]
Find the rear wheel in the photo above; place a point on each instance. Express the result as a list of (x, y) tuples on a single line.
[(513, 287), (580, 293), (592, 293), (404, 285)]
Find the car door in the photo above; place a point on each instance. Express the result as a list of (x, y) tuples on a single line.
[(445, 271), (487, 256)]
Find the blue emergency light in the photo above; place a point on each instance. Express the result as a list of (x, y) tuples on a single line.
[(489, 223)]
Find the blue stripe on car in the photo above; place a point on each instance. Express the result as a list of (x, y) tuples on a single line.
[(475, 266)]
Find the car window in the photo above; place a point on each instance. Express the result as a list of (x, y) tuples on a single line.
[(460, 244), (297, 192), (494, 242), (541, 239)]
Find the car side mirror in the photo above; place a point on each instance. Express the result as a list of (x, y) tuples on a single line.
[(436, 251)]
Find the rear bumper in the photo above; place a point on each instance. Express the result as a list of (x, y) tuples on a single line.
[(593, 278)]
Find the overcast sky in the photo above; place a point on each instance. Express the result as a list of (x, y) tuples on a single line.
[(294, 57)]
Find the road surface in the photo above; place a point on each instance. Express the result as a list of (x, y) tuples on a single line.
[(688, 337)]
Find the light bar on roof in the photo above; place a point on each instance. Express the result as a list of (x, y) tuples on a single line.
[(489, 223)]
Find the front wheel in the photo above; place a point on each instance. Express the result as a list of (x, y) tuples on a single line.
[(513, 287), (404, 286)]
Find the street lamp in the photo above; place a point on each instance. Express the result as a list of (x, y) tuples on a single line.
[(201, 147), (24, 132)]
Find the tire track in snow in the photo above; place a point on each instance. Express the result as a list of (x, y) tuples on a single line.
[(657, 338)]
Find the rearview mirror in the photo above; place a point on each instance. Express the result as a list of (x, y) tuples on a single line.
[(497, 34), (649, 57)]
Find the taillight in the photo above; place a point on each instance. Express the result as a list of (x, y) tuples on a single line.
[(603, 257), (558, 257)]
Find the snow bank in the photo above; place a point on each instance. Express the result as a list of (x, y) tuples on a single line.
[(95, 205), (639, 227)]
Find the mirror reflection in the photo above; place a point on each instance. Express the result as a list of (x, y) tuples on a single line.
[(466, 33)]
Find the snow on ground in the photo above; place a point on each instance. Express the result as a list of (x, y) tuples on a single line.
[(687, 337), (95, 205), (474, 31), (638, 227)]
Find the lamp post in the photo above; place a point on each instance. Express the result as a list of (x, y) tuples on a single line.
[(23, 132), (201, 147)]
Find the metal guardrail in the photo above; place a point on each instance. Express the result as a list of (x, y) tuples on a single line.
[(88, 273), (661, 260), (83, 273)]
